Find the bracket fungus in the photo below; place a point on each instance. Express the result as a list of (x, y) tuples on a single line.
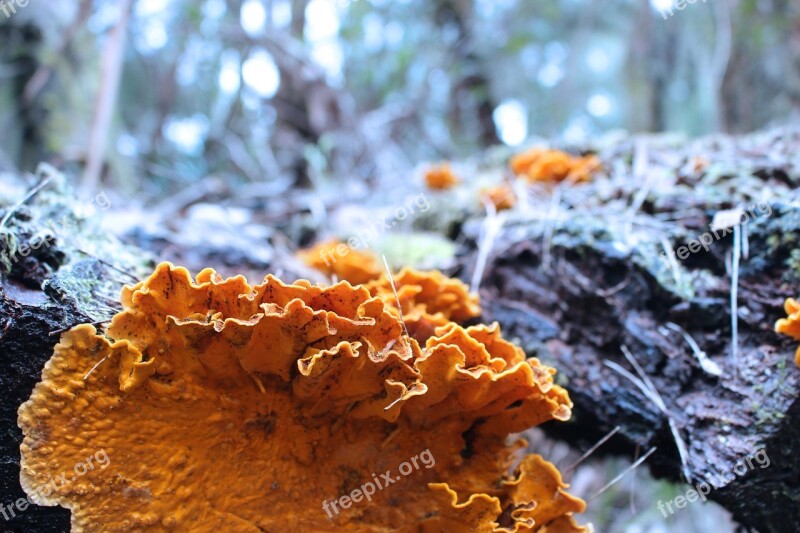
[(791, 325), (229, 407), (539, 164), (427, 300)]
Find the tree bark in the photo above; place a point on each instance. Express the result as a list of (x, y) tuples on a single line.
[(28, 316)]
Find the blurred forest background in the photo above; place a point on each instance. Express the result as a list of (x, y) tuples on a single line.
[(148, 96)]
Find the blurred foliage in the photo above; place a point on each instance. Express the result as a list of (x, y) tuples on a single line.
[(296, 92)]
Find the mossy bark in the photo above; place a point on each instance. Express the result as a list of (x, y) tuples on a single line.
[(47, 285), (594, 298)]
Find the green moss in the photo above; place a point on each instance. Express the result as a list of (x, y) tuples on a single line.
[(420, 250), (55, 218)]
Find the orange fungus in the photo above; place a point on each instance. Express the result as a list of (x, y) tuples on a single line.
[(228, 407)]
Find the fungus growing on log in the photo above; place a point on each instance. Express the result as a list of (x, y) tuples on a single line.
[(335, 258), (441, 177), (791, 325), (228, 407), (553, 165), (428, 300)]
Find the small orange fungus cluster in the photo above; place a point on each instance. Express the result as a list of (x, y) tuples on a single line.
[(791, 325), (539, 164), (501, 197), (441, 177), (335, 258), (229, 407)]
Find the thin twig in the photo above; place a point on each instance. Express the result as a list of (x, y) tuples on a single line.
[(258, 383), (108, 308), (605, 293), (624, 473)]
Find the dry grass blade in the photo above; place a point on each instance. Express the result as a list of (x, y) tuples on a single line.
[(646, 386), (633, 482), (673, 264), (709, 366), (639, 171), (737, 254), (623, 473), (591, 450), (549, 221), (490, 228), (89, 373), (390, 277)]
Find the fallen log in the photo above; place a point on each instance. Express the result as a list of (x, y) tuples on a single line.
[(29, 316), (48, 284), (584, 281)]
